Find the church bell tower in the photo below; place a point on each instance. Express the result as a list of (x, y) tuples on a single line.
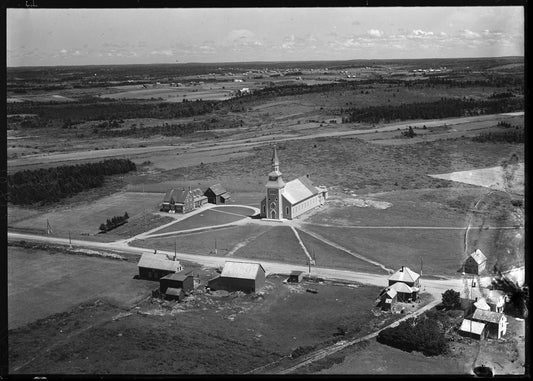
[(274, 189)]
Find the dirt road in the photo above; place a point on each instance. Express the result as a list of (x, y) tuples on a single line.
[(434, 287)]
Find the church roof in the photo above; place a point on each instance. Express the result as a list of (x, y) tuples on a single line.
[(299, 189)]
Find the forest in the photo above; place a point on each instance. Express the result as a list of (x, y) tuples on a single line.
[(48, 185), (444, 108)]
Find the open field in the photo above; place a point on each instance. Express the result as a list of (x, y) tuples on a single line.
[(210, 217), (244, 332), (440, 250), (509, 179), (227, 240), (331, 257), (43, 283), (277, 244), (87, 217)]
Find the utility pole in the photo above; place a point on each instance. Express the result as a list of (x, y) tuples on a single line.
[(216, 246), (175, 248), (48, 227), (69, 240)]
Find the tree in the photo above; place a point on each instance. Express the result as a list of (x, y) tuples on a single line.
[(103, 227), (451, 299), (126, 216)]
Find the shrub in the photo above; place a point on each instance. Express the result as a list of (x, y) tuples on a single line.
[(451, 299), (424, 335)]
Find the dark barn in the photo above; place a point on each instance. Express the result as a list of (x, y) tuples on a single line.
[(239, 276), (183, 280), (156, 266), (216, 194)]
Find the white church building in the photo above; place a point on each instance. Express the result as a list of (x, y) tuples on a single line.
[(289, 200)]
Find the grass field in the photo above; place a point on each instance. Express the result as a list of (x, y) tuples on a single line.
[(440, 250), (222, 335), (331, 257), (42, 283), (87, 217), (209, 217), (226, 239), (277, 244)]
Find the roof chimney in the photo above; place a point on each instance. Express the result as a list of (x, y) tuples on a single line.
[(307, 175), (401, 269)]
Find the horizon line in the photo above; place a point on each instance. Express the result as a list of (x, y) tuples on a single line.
[(262, 61)]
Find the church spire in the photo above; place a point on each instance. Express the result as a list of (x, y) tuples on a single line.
[(275, 160)]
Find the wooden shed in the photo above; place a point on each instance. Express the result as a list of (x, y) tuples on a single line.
[(217, 194), (156, 266), (183, 280), (239, 276), (475, 263), (172, 293), (473, 329), (388, 298), (296, 277)]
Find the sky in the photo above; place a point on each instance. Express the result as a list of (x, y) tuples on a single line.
[(50, 37)]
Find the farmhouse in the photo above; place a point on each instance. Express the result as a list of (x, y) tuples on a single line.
[(239, 276), (156, 266), (183, 200), (216, 194), (406, 283), (289, 200), (475, 263), (183, 280), (496, 322)]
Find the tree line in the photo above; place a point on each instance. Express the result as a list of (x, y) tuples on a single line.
[(48, 185), (76, 112), (166, 129), (114, 222), (444, 108)]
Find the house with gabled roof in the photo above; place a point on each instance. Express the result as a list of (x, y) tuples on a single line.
[(156, 266), (496, 322), (406, 282), (239, 276), (388, 298), (183, 200), (475, 263), (217, 194), (289, 200)]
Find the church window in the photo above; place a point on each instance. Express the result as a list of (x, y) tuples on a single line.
[(287, 210)]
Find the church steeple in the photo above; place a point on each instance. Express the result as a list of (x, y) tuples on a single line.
[(275, 160)]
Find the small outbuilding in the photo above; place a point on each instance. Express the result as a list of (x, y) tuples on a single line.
[(296, 277), (156, 266), (239, 276), (475, 263), (496, 322), (473, 329), (388, 298), (217, 194), (172, 293), (183, 280)]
